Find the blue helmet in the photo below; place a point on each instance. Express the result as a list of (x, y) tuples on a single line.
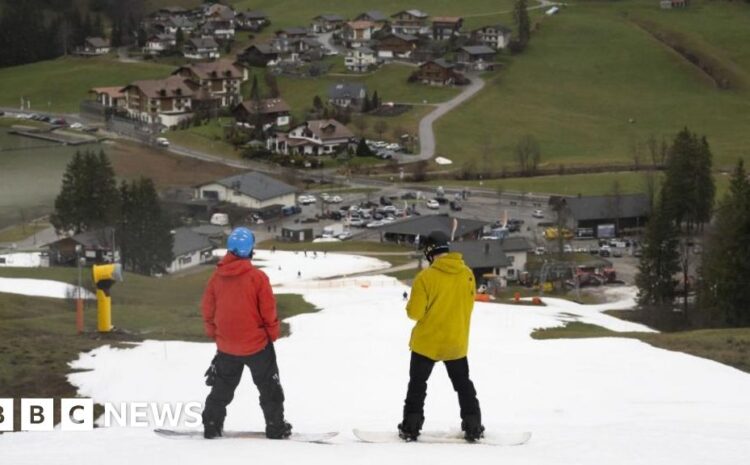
[(241, 242)]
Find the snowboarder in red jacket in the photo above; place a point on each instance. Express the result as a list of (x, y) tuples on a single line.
[(239, 313)]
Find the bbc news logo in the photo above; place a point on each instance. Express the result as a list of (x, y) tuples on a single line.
[(78, 414)]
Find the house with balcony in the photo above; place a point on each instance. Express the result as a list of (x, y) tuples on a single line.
[(360, 60), (93, 46), (446, 27), (378, 19), (317, 137), (327, 23), (253, 21), (476, 57), (201, 48), (438, 73), (357, 33), (221, 79), (413, 22), (396, 45), (157, 44), (164, 102), (347, 95), (496, 36), (270, 112)]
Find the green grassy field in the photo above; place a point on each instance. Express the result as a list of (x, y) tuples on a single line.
[(728, 346), (38, 337), (60, 85), (587, 73), (574, 184)]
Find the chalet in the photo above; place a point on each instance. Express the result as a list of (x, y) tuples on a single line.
[(357, 33), (219, 29), (261, 55), (315, 137), (486, 259), (476, 57), (251, 190), (175, 23), (396, 45), (218, 12), (378, 19), (189, 249), (159, 43), (220, 79), (94, 246), (109, 97), (93, 46), (360, 60), (496, 36), (198, 48), (160, 101), (412, 22), (253, 21), (347, 95), (411, 229), (292, 33), (327, 23), (437, 72), (163, 14), (446, 27), (608, 215), (272, 111)]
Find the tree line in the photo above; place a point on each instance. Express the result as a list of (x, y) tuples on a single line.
[(682, 214), (90, 199), (36, 30)]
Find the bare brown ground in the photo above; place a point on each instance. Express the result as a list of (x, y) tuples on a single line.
[(131, 161)]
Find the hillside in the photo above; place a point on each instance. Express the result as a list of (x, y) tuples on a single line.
[(591, 69)]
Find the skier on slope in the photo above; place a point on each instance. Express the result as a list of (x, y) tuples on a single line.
[(239, 312), (441, 302)]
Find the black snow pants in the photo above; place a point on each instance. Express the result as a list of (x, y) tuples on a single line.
[(265, 373), (458, 372)]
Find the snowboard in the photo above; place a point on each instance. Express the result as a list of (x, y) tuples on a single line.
[(319, 438), (445, 437)]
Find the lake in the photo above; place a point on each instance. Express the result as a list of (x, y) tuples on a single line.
[(30, 175)]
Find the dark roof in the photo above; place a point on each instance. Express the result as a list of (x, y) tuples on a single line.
[(188, 241), (515, 244), (440, 62), (257, 185), (499, 27), (266, 106), (344, 90), (202, 42), (481, 254), (330, 18), (398, 35), (263, 49), (414, 13), (97, 42), (478, 50), (425, 224), (96, 239), (293, 31), (373, 15), (609, 206)]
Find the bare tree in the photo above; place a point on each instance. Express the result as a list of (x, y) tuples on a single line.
[(650, 183), (528, 154), (419, 172), (360, 123), (615, 204), (380, 127)]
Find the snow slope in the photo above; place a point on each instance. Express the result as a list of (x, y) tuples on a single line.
[(42, 288), (594, 401)]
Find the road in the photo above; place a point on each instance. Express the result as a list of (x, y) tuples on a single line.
[(427, 134)]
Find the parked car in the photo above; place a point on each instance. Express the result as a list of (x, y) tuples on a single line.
[(385, 201), (336, 199), (311, 219), (538, 214), (375, 224), (540, 251), (356, 222), (345, 235), (567, 248), (324, 196), (605, 251), (616, 253), (456, 205), (389, 209), (409, 196), (433, 204), (162, 142), (306, 199)]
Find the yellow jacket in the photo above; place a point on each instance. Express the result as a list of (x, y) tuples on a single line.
[(442, 298)]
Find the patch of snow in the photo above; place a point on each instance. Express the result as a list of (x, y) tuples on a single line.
[(443, 161), (42, 288)]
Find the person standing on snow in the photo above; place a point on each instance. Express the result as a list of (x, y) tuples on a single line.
[(441, 302), (239, 312)]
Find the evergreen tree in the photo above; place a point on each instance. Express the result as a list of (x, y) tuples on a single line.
[(254, 91), (317, 103), (363, 150), (179, 39), (145, 236), (375, 104), (523, 23), (272, 84), (88, 198), (723, 294), (366, 103), (660, 260)]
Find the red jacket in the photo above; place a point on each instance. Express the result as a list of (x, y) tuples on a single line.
[(239, 310)]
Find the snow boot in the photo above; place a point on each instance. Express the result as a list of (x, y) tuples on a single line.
[(212, 429), (280, 430), (409, 429), (472, 427)]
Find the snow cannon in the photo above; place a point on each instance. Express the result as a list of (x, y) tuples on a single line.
[(104, 277)]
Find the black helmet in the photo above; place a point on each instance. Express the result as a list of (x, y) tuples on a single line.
[(435, 244)]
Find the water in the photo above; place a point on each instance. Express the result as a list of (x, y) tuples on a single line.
[(30, 176)]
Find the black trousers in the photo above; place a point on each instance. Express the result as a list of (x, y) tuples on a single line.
[(458, 372), (265, 373)]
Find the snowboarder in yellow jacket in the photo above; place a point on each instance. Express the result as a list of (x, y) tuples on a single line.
[(441, 302)]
